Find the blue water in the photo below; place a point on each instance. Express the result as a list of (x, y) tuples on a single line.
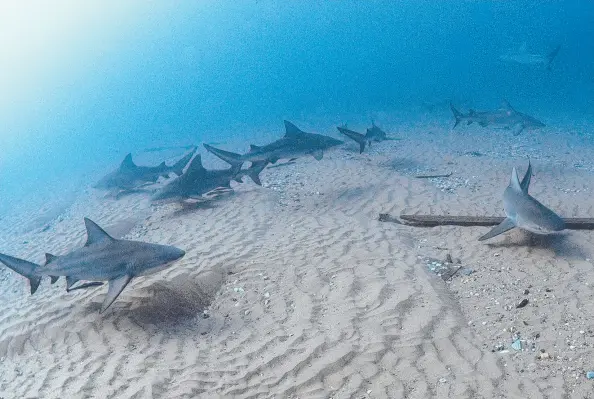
[(83, 85)]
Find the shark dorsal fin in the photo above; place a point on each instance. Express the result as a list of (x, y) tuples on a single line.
[(507, 106), (162, 165), (292, 131), (95, 234), (525, 183), (514, 182), (49, 258), (254, 147), (127, 163), (195, 169), (196, 164)]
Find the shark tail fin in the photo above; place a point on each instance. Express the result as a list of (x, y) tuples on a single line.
[(551, 56), (457, 115), (254, 171), (358, 137), (501, 228), (24, 268), (178, 167), (230, 157)]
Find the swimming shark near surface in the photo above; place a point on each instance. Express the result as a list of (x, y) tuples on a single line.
[(103, 258), (373, 133), (522, 56), (197, 180), (524, 211), (294, 144), (505, 117), (130, 176)]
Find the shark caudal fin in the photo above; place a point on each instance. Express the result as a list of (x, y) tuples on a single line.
[(457, 114), (178, 167), (358, 137), (551, 56), (24, 268), (230, 157)]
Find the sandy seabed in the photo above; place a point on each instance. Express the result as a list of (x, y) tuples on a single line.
[(296, 290)]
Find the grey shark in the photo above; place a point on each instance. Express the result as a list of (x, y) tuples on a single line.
[(294, 144), (373, 133), (129, 176), (524, 211), (103, 258), (197, 181), (504, 118), (522, 56)]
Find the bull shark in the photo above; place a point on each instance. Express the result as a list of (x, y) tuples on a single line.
[(373, 133), (103, 258), (522, 56), (524, 211), (129, 176), (197, 180), (294, 144), (504, 118)]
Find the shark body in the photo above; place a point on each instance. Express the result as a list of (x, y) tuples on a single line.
[(524, 211), (197, 180), (522, 56), (373, 134), (102, 258), (294, 144), (130, 176), (504, 118)]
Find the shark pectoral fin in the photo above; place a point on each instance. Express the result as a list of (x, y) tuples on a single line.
[(54, 278), (70, 281), (116, 286), (318, 155), (501, 228), (34, 282)]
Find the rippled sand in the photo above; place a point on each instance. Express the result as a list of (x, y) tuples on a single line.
[(296, 290)]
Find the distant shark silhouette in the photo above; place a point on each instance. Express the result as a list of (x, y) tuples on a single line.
[(197, 181), (294, 144), (130, 176), (522, 56), (103, 258), (524, 211), (373, 133), (504, 118)]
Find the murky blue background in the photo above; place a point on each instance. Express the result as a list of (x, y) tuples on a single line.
[(82, 86)]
